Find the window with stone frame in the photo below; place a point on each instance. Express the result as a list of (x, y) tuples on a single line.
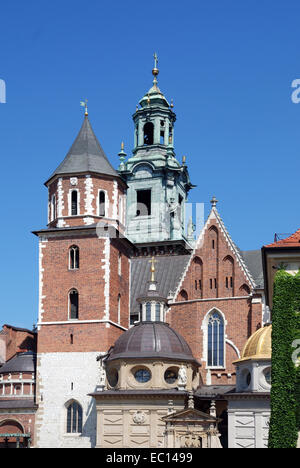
[(215, 340), (74, 418), (74, 258)]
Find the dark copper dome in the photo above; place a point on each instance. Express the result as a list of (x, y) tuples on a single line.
[(151, 340)]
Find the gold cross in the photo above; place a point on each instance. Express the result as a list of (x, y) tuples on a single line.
[(152, 269)]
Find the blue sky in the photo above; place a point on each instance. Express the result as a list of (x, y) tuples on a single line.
[(228, 65)]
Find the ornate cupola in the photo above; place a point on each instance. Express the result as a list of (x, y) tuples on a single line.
[(158, 184), (152, 305)]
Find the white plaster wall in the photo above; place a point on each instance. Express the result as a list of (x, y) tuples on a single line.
[(248, 423), (56, 372)]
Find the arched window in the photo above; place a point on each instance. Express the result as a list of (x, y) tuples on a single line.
[(74, 418), (148, 133), (215, 340), (244, 290), (148, 312), (74, 258), (73, 304), (102, 203), (74, 203)]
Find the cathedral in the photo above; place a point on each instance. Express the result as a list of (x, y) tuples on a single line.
[(147, 336)]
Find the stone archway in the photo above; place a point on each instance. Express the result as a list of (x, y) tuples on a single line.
[(12, 435)]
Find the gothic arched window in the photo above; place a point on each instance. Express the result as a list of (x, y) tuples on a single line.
[(74, 258), (148, 133), (215, 340), (74, 418), (73, 304)]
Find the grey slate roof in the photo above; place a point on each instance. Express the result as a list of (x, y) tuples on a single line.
[(253, 260), (22, 362), (86, 155), (168, 273)]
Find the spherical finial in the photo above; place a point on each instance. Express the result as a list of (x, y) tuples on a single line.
[(155, 70), (172, 104), (183, 160), (213, 202), (122, 146)]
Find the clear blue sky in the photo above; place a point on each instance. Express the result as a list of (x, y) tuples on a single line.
[(228, 65)]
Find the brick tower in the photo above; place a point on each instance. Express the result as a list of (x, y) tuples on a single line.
[(83, 289)]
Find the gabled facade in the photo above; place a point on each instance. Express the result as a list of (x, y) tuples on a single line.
[(216, 305)]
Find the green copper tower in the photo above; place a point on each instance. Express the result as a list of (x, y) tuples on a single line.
[(158, 184)]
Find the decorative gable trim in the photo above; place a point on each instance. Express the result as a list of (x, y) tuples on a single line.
[(214, 215)]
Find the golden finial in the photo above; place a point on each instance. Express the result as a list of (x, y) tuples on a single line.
[(172, 104), (122, 146), (183, 159), (84, 104), (137, 108), (148, 99), (152, 269)]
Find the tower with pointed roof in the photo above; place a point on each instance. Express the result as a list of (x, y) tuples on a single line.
[(158, 184), (84, 288)]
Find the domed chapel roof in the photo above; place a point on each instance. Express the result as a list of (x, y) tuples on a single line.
[(259, 345), (151, 340)]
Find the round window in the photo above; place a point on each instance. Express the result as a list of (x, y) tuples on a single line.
[(171, 376), (267, 374), (142, 375)]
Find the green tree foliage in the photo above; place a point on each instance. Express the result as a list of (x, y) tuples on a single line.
[(286, 302)]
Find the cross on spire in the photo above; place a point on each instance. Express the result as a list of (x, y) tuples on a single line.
[(155, 60), (152, 269)]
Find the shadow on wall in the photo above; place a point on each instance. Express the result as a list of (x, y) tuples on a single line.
[(90, 425)]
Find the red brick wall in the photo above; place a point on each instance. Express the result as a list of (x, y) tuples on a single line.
[(11, 423), (99, 183), (18, 340), (213, 261), (89, 280)]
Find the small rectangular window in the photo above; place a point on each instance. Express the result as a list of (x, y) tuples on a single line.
[(74, 201), (216, 284)]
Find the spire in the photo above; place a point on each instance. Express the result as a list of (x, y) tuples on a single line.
[(155, 70), (86, 154)]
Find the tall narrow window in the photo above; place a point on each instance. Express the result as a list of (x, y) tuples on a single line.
[(215, 340), (74, 418), (119, 308), (120, 264), (74, 258), (157, 312), (101, 203), (74, 203), (148, 312), (53, 208), (73, 304)]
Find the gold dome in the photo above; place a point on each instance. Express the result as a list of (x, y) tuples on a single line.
[(259, 345)]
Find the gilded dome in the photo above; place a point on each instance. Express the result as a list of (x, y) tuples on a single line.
[(259, 345)]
